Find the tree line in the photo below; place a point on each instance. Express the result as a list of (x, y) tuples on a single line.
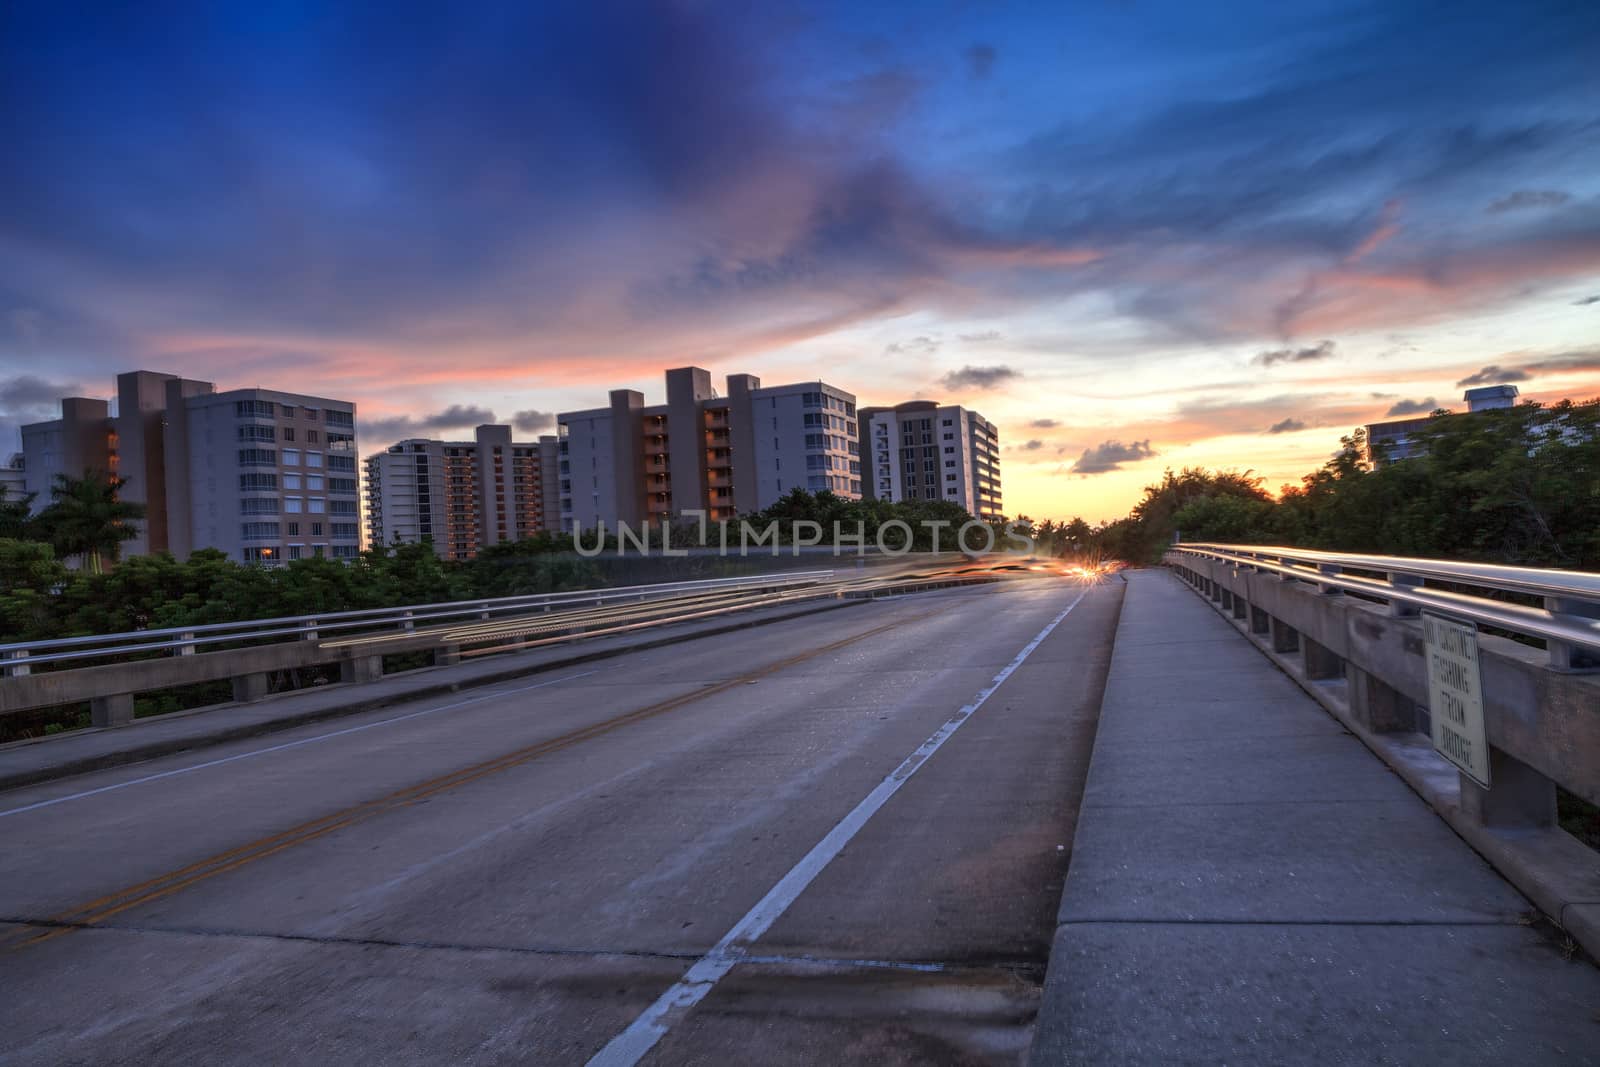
[(1519, 485)]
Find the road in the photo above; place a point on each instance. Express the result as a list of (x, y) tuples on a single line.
[(522, 872)]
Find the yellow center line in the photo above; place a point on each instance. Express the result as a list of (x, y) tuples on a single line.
[(105, 907)]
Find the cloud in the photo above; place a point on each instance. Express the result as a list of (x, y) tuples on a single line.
[(27, 395), (1583, 359), (27, 398), (1289, 425), (1412, 407), (399, 427), (1586, 301), (1032, 446), (995, 335), (1322, 350), (1044, 424), (1494, 375), (534, 421), (1110, 456), (924, 345), (970, 377), (980, 59), (1528, 198)]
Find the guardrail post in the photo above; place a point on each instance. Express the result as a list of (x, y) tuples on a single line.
[(112, 710), (249, 687), (1562, 655), (407, 621), (1330, 569), (187, 648), (308, 630), (15, 664), (1378, 706), (1399, 609), (1216, 590), (483, 610), (445, 655), (1241, 607), (1260, 621), (361, 669), (1518, 797)]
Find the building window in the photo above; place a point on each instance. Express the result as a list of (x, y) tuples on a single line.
[(261, 554), (258, 457), (292, 505), (311, 437), (314, 481), (288, 433), (316, 505), (254, 409), (291, 457), (313, 459), (258, 505), (316, 529), (296, 551), (292, 529), (258, 433), (258, 531), (291, 481), (255, 483)]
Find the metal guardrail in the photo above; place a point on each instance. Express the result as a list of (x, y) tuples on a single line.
[(18, 658), (1569, 618)]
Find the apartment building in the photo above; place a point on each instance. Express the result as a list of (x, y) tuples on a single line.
[(263, 475), (463, 495), (724, 455), (1397, 439), (14, 477), (921, 450)]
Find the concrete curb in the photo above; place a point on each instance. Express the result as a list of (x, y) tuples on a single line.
[(1553, 869), (425, 688)]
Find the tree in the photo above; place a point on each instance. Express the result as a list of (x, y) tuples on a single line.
[(85, 517), (16, 518)]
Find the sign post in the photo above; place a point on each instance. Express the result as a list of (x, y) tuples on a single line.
[(1455, 695)]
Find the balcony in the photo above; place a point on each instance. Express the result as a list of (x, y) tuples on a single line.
[(655, 446), (719, 460), (717, 418), (717, 479)]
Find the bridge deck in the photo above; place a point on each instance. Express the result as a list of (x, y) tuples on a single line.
[(1250, 885)]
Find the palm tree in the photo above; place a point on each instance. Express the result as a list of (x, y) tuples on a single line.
[(86, 518)]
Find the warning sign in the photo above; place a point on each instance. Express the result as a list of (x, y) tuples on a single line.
[(1455, 695)]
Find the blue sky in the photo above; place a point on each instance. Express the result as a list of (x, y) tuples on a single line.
[(1135, 234)]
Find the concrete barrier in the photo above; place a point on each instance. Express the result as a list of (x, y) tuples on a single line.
[(1366, 663)]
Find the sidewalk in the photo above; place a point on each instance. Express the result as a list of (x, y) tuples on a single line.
[(1249, 884)]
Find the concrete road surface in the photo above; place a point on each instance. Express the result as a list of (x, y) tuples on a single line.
[(521, 873)]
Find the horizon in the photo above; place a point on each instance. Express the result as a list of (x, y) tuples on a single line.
[(1133, 236)]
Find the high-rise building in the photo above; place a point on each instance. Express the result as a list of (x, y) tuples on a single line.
[(921, 450), (722, 455), (463, 495), (264, 476)]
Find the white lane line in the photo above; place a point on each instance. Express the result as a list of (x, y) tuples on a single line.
[(290, 744), (651, 1026)]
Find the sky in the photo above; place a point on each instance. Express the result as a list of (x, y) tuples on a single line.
[(1134, 234)]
